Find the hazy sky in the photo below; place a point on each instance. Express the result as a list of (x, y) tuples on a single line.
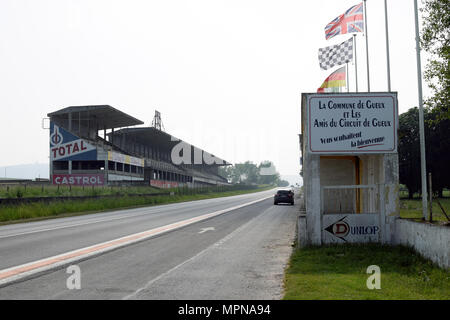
[(226, 75)]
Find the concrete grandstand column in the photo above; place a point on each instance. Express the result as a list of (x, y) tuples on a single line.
[(106, 171), (313, 199), (391, 194)]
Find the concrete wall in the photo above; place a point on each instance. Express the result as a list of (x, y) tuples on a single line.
[(431, 241), (312, 199), (302, 235)]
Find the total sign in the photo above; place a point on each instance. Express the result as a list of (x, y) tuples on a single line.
[(66, 146)]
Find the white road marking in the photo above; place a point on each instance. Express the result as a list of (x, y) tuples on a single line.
[(18, 272), (214, 245), (71, 225), (131, 215), (207, 229)]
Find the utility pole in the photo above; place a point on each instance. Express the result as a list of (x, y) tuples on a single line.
[(347, 76), (367, 46), (387, 46), (423, 166), (356, 63)]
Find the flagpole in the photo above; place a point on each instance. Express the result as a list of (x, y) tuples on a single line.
[(367, 46), (387, 46), (347, 76), (356, 63), (423, 166)]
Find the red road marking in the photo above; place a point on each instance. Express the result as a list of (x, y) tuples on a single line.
[(14, 271)]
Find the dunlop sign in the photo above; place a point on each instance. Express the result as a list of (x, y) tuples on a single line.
[(351, 228), (352, 123)]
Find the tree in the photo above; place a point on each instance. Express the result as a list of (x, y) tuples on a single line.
[(268, 173), (225, 172), (246, 172), (435, 39), (438, 150), (408, 150), (250, 173), (283, 183), (437, 137)]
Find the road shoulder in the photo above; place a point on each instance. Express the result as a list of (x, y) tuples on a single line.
[(247, 264)]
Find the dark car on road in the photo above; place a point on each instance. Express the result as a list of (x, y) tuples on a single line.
[(284, 196)]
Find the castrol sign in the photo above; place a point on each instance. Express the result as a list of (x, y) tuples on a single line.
[(66, 146), (79, 179)]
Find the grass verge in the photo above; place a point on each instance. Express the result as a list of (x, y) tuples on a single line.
[(39, 210), (29, 191), (412, 209), (339, 272)]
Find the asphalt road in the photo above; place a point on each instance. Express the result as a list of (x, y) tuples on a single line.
[(238, 254)]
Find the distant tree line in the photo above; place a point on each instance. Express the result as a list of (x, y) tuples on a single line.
[(437, 150), (250, 173)]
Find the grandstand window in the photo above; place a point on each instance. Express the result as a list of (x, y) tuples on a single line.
[(60, 165)]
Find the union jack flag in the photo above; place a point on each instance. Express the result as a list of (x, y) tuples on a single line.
[(351, 21)]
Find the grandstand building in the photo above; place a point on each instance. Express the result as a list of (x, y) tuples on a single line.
[(100, 145)]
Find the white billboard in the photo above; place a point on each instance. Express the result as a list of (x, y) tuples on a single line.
[(123, 158), (349, 123)]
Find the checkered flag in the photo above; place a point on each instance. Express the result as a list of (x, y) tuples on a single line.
[(336, 55)]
